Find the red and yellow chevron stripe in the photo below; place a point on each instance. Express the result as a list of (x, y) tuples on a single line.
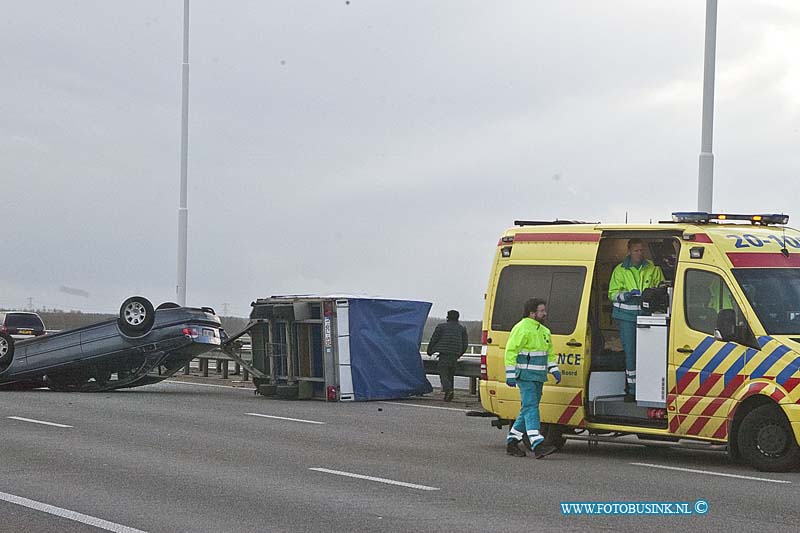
[(572, 414), (718, 376)]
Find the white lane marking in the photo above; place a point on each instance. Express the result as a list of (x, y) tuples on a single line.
[(712, 473), (248, 389), (286, 418), (427, 406), (378, 479), (39, 422), (69, 515)]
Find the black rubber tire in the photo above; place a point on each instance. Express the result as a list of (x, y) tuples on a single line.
[(136, 316), (766, 440), (553, 435), (6, 349), (167, 305)]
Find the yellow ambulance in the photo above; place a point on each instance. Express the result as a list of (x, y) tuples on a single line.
[(718, 354)]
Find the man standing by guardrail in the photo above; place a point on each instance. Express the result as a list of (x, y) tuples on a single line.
[(450, 340)]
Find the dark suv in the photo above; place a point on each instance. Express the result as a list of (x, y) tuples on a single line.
[(21, 324)]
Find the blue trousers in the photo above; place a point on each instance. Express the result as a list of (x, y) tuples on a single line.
[(528, 421), (627, 333)]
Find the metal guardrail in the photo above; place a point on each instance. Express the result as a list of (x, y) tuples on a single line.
[(472, 349), (468, 366), (222, 361)]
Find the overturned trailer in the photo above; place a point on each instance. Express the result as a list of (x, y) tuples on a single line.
[(338, 347)]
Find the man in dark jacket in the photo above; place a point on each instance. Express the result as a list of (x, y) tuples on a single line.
[(450, 340)]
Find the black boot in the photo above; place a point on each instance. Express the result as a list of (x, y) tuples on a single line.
[(512, 448), (542, 451)]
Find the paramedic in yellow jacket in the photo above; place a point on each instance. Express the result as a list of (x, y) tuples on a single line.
[(629, 279), (529, 357)]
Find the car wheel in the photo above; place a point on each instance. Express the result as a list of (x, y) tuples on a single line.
[(167, 305), (766, 440), (136, 316), (6, 348)]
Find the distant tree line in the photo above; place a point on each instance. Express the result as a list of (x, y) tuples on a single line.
[(55, 319), (58, 320), (473, 329)]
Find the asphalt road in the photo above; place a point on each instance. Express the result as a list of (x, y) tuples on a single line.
[(187, 457)]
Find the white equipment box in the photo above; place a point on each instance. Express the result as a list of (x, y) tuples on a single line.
[(651, 360)]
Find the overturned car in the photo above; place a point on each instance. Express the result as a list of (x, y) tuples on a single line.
[(142, 346)]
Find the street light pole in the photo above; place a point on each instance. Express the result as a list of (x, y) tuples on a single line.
[(705, 190), (183, 209)]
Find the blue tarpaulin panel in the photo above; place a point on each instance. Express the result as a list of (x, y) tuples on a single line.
[(384, 348)]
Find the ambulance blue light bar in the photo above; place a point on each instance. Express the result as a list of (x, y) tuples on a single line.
[(700, 217)]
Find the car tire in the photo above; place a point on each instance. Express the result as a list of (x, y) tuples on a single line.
[(136, 316), (766, 440), (167, 305), (6, 348)]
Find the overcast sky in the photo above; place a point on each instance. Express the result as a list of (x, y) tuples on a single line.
[(375, 147)]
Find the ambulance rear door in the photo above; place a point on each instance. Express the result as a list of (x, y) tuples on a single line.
[(558, 268)]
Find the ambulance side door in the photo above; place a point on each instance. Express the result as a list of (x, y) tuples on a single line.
[(706, 358)]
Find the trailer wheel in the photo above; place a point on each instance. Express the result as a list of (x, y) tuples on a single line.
[(6, 348), (136, 316), (766, 440)]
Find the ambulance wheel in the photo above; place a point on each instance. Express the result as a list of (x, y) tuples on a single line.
[(136, 316), (766, 440), (553, 435)]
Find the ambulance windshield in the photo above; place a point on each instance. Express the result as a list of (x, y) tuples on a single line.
[(774, 294)]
